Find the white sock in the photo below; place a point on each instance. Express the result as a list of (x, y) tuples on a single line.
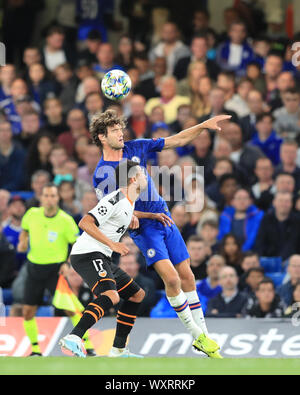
[(181, 306), (196, 309)]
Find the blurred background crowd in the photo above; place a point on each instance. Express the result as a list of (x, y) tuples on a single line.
[(186, 66)]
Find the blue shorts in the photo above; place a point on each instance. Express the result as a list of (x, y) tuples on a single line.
[(158, 242)]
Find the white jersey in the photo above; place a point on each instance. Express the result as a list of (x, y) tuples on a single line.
[(112, 215)]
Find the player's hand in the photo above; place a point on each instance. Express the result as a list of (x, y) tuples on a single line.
[(120, 248), (135, 223), (64, 269), (213, 123), (163, 218)]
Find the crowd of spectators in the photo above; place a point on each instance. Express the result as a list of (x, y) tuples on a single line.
[(244, 241)]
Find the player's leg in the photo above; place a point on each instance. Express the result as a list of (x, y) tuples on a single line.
[(176, 296), (96, 271), (132, 296), (33, 295), (188, 286)]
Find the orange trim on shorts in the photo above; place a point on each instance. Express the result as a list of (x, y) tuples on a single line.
[(119, 290), (124, 323), (104, 279), (127, 315), (93, 314)]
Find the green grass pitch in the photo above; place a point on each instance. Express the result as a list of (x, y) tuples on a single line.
[(147, 366)]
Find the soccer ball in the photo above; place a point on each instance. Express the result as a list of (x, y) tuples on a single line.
[(116, 85)]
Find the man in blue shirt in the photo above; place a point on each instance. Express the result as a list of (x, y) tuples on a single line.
[(156, 235)]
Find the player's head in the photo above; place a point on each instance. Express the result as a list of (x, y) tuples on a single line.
[(107, 130), (50, 196), (129, 173)]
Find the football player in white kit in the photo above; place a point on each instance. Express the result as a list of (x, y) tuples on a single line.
[(91, 255)]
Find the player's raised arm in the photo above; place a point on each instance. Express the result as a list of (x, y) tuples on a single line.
[(188, 135)]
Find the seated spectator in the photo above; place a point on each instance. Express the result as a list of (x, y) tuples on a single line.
[(31, 55), (54, 53), (230, 302), (93, 42), (198, 256), (243, 155), (39, 153), (93, 105), (12, 227), (124, 56), (272, 69), (266, 138), (30, 127), (41, 87), (254, 72), (184, 112), (285, 81), (242, 219), (216, 103), (17, 104), (222, 148), (267, 303), (238, 102), (12, 160), (189, 85), (39, 179), (199, 49), (288, 161), (7, 76), (231, 250), (287, 118), (201, 103), (228, 185), (148, 85), (58, 158), (209, 287), (255, 104), (250, 260), (68, 201), (252, 279), (168, 100), (130, 265), (138, 122), (55, 121), (180, 218), (294, 306), (157, 114), (70, 172), (236, 53), (208, 232), (91, 159), (89, 84), (4, 200), (170, 46), (77, 124), (67, 86), (279, 230), (285, 291), (105, 60), (264, 189), (285, 182)]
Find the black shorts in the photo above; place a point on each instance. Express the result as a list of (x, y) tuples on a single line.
[(40, 278), (101, 274)]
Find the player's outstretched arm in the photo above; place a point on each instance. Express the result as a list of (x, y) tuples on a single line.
[(188, 135)]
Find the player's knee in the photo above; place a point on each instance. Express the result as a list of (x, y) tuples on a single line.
[(173, 282), (113, 296), (138, 297)]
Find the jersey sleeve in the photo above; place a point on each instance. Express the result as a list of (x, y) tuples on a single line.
[(152, 145), (26, 220), (102, 212), (72, 231)]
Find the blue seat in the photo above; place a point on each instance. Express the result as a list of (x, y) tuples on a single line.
[(24, 194), (45, 311), (7, 296), (277, 278), (271, 264)]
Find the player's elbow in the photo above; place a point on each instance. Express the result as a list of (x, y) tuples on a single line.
[(85, 222)]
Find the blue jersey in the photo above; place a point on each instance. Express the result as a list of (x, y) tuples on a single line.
[(91, 14), (137, 150)]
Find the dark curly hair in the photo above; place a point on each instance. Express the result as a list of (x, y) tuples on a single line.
[(101, 121)]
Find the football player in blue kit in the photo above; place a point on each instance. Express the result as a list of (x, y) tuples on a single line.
[(153, 229)]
